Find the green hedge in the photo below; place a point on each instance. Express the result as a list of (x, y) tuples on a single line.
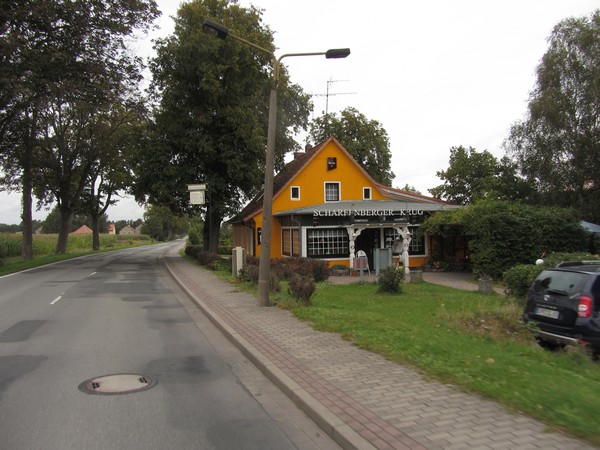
[(502, 234), (519, 278)]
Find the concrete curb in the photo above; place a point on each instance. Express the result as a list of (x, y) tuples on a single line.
[(341, 433)]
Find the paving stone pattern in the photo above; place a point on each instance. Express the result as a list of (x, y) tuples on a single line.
[(357, 397)]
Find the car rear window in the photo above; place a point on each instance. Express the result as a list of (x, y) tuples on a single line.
[(561, 282)]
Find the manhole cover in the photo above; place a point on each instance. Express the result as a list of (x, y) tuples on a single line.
[(121, 383)]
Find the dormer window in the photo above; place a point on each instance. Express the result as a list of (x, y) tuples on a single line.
[(366, 193), (295, 193)]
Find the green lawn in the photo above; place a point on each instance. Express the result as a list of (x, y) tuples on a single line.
[(471, 340)]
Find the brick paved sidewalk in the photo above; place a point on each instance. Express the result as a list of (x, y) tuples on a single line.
[(361, 400)]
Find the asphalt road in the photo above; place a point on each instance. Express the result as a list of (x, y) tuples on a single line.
[(120, 313)]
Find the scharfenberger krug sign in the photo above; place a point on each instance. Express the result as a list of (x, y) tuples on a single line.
[(367, 212)]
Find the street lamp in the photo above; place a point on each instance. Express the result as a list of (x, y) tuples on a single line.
[(264, 262)]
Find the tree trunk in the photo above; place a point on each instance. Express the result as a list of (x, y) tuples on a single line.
[(27, 246), (215, 230), (63, 234), (211, 231), (27, 198), (95, 232)]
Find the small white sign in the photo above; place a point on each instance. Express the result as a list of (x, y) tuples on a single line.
[(196, 187), (197, 197)]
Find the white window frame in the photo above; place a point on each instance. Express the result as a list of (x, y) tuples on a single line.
[(414, 243), (294, 199), (339, 191), (370, 191)]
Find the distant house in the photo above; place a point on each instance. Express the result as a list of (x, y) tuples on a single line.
[(83, 229), (128, 231), (138, 229), (111, 228)]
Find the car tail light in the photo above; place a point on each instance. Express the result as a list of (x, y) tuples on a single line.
[(585, 307)]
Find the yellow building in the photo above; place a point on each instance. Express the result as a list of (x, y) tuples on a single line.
[(326, 206)]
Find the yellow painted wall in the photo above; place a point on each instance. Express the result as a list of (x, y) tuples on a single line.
[(311, 181)]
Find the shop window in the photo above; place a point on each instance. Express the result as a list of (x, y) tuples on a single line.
[(417, 242), (332, 192), (295, 192), (366, 193), (328, 243), (290, 242)]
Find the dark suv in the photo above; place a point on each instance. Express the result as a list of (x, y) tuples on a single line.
[(564, 304)]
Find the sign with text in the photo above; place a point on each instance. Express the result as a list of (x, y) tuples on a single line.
[(361, 263), (197, 194), (367, 212)]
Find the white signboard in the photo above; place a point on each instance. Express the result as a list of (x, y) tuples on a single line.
[(197, 197)]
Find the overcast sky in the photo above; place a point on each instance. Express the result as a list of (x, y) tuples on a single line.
[(435, 74)]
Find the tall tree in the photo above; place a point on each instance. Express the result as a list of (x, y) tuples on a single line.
[(211, 120), (557, 145), (55, 57), (366, 140), (116, 135), (473, 175)]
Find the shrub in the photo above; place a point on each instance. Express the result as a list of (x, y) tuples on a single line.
[(195, 233), (249, 273), (319, 270), (390, 279), (286, 268), (301, 288), (519, 278), (193, 250), (222, 264), (213, 261), (275, 283), (252, 261), (207, 258)]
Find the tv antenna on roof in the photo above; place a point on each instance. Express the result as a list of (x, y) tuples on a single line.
[(329, 83)]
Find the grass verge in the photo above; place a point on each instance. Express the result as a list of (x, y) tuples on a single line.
[(77, 246), (474, 341)]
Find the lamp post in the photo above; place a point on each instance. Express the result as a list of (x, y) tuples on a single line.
[(264, 262)]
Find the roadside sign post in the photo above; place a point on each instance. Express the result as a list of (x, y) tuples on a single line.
[(197, 194), (361, 264)]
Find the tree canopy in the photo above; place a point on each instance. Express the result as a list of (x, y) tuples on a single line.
[(366, 140), (473, 175), (61, 64), (210, 122), (557, 145)]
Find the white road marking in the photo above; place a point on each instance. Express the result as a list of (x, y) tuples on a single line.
[(57, 299)]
